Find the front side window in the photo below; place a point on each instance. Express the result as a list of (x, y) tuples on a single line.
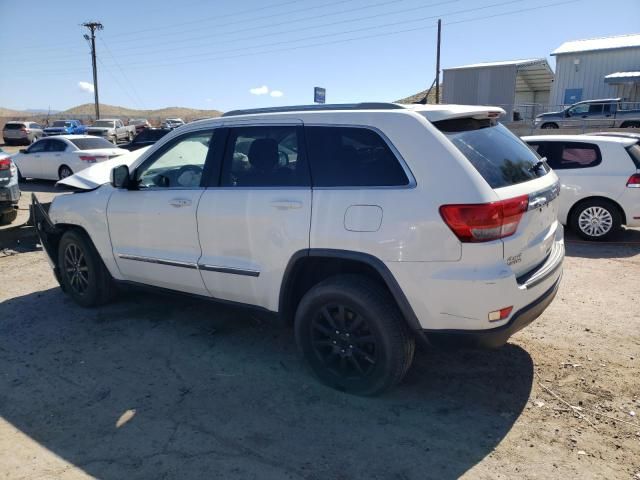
[(178, 165), (579, 109), (352, 157), (266, 156), (38, 147)]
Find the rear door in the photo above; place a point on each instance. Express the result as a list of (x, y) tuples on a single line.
[(55, 155), (256, 214), (514, 172)]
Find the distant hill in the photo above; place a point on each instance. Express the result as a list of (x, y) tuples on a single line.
[(419, 97), (86, 111)]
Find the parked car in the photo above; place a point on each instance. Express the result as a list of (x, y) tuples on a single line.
[(627, 134), (419, 221), (65, 127), (173, 123), (147, 137), (139, 123), (113, 130), (600, 178), (9, 189), (605, 113), (62, 156), (21, 132)]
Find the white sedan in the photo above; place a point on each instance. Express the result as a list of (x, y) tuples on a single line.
[(57, 158)]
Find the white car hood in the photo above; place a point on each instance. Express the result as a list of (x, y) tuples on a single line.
[(100, 173)]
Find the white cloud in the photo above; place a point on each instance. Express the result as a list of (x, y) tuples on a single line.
[(263, 90), (276, 93), (86, 87)]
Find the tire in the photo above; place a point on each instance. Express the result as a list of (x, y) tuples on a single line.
[(64, 172), (631, 125), (83, 275), (7, 143), (596, 219), (549, 125), (352, 335), (7, 218)]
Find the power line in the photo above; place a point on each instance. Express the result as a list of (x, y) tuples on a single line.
[(363, 37), (124, 75), (93, 26)]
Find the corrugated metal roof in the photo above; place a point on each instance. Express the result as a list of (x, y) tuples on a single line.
[(519, 63), (622, 77), (603, 43)]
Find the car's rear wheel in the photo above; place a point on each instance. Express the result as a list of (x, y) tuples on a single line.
[(64, 172), (596, 219), (82, 273), (353, 336), (631, 125), (549, 125)]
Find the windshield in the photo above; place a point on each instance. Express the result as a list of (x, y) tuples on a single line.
[(61, 123), (91, 143), (497, 154), (103, 123)]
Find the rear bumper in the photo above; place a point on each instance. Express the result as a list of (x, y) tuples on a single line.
[(498, 336), (9, 195)]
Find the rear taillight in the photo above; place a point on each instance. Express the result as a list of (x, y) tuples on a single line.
[(634, 181), (92, 158), (5, 164), (485, 221)]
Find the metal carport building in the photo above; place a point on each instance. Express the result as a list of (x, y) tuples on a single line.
[(521, 87)]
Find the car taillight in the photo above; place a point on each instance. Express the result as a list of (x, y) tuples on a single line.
[(5, 164), (634, 181), (483, 222), (92, 158)]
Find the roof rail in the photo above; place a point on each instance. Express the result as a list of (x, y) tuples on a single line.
[(313, 108)]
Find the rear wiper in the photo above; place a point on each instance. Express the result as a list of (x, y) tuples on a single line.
[(538, 165)]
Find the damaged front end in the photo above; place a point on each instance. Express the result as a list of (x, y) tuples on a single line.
[(47, 232)]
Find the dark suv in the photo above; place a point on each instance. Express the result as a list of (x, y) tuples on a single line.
[(9, 190)]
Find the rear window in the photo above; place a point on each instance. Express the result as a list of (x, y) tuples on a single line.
[(352, 157), (497, 154), (91, 143), (13, 126)]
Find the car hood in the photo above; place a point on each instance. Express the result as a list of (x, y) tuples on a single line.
[(551, 114), (100, 173)]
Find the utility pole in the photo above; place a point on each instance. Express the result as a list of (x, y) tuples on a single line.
[(93, 26), (438, 63)]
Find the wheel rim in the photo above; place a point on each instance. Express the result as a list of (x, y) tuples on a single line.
[(76, 269), (65, 172), (343, 341), (595, 221)]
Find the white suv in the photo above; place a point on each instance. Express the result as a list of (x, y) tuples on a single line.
[(600, 177), (368, 225)]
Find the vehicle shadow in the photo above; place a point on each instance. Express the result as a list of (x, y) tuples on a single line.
[(213, 391), (626, 243), (39, 186)]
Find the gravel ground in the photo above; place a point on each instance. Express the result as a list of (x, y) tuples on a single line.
[(155, 387)]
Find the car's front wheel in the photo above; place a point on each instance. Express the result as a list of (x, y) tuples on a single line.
[(596, 219), (549, 125), (353, 336), (82, 273), (7, 218)]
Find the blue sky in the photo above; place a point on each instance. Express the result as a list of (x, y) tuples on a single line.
[(214, 54)]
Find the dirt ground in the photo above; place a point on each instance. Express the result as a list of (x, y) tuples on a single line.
[(155, 387)]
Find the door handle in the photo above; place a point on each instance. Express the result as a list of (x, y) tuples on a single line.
[(286, 204), (179, 202)]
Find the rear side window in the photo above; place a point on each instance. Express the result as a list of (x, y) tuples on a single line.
[(266, 156), (634, 153), (569, 155), (56, 146), (497, 154), (352, 157)]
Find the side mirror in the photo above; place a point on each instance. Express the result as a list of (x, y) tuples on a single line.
[(23, 150), (120, 177)]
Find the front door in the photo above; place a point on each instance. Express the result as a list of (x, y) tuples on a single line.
[(257, 215), (153, 229)]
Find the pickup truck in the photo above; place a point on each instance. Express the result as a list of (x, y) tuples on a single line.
[(603, 113), (113, 130), (65, 127)]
